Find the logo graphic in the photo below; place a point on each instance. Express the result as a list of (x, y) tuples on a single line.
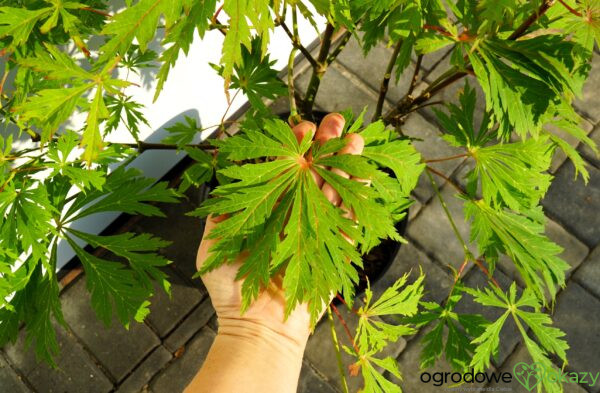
[(528, 375)]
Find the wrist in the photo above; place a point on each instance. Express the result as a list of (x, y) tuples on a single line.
[(282, 338)]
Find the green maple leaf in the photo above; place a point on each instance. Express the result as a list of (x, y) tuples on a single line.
[(122, 108), (59, 151), (139, 250), (549, 337), (520, 236), (27, 214), (374, 333), (524, 81), (125, 190), (182, 133), (181, 36), (255, 76), (316, 259), (458, 329), (49, 108), (139, 22), (514, 174), (201, 171), (241, 12), (112, 285), (19, 22)]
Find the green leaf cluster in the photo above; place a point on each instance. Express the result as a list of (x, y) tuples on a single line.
[(279, 197)]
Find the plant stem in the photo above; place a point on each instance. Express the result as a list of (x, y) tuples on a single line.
[(143, 146), (531, 20), (571, 10), (338, 49), (318, 71), (413, 81), (457, 277), (345, 326), (447, 158), (294, 118), (446, 178), (296, 42), (338, 353), (479, 264), (385, 83), (468, 254)]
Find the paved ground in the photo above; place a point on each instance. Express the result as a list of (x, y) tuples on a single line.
[(162, 354)]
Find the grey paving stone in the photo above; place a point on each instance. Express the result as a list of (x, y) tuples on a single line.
[(578, 315), (588, 275), (372, 68), (409, 259), (166, 312), (181, 371), (320, 351), (509, 335), (522, 355), (337, 93), (409, 364), (75, 371), (589, 103), (118, 349), (574, 251), (213, 323), (587, 152), (197, 319), (559, 156), (311, 382), (574, 204), (9, 380), (432, 231), (183, 231), (431, 146), (145, 371)]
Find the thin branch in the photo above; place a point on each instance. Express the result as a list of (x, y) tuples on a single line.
[(341, 299), (338, 353), (294, 118), (457, 277), (446, 178), (318, 71), (298, 45), (439, 29), (338, 49), (385, 83), (413, 81), (143, 146), (447, 158), (95, 11), (345, 326), (479, 264), (468, 254), (531, 20), (571, 10)]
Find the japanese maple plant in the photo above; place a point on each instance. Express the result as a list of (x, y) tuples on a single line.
[(530, 58)]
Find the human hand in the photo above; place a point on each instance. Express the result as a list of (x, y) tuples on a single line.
[(264, 318)]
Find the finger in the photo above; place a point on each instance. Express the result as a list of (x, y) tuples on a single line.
[(303, 128), (355, 145), (331, 126)]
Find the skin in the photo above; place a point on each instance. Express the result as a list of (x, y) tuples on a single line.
[(259, 352)]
